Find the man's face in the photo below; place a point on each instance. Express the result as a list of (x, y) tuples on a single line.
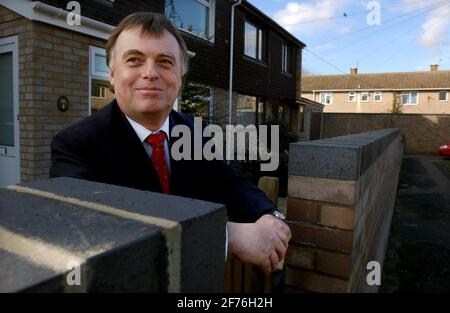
[(147, 73)]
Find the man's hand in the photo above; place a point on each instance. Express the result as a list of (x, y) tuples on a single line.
[(281, 228), (263, 243)]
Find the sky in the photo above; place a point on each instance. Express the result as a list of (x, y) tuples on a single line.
[(375, 36)]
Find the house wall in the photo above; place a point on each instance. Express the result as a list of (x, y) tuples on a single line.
[(421, 133), (266, 79), (428, 103), (53, 62), (210, 66)]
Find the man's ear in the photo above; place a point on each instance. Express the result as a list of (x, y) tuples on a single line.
[(111, 79)]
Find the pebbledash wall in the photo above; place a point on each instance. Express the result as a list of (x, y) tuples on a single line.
[(421, 133), (341, 196)]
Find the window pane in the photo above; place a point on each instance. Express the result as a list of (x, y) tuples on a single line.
[(6, 101), (414, 97), (261, 112), (443, 96), (100, 64), (405, 98), (284, 57), (246, 110), (100, 94), (260, 44), (250, 40), (189, 15), (325, 98)]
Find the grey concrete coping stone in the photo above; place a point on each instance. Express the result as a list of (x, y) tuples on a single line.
[(126, 240), (341, 158)]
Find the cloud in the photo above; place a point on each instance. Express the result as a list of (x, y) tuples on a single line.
[(298, 17), (435, 29)]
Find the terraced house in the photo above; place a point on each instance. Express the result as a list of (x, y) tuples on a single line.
[(54, 71), (424, 92)]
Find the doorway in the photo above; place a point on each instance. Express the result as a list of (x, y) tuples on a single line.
[(9, 112)]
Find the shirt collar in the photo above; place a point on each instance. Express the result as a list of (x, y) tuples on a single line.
[(143, 132)]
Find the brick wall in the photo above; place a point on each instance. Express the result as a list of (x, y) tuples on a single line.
[(341, 195), (422, 133), (52, 62)]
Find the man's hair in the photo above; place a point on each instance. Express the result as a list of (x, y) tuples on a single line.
[(152, 24)]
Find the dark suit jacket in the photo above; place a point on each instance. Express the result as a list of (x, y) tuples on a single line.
[(104, 148)]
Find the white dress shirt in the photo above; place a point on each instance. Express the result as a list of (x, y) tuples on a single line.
[(143, 133)]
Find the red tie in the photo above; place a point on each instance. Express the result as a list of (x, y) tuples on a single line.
[(156, 141)]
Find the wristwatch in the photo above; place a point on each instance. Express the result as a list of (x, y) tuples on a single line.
[(278, 215)]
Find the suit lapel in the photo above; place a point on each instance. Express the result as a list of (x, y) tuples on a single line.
[(137, 167)]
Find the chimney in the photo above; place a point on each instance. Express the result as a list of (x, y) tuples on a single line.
[(353, 70), (434, 67)]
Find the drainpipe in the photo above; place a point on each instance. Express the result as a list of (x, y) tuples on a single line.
[(230, 85)]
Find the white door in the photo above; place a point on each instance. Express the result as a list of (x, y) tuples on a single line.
[(9, 112)]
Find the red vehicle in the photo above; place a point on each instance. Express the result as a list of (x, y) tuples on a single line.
[(444, 149)]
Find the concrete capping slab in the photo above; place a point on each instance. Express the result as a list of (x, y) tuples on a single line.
[(341, 158), (123, 239)]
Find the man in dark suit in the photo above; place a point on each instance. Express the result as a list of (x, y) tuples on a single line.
[(128, 142)]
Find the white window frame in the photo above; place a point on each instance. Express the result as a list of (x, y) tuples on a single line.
[(93, 74), (211, 4), (446, 96), (364, 93), (409, 93), (330, 94), (377, 93), (350, 94), (285, 58), (260, 44), (94, 51)]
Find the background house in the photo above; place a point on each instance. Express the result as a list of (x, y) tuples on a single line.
[(409, 92), (46, 61)]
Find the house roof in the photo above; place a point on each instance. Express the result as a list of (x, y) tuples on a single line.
[(256, 12), (404, 80)]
